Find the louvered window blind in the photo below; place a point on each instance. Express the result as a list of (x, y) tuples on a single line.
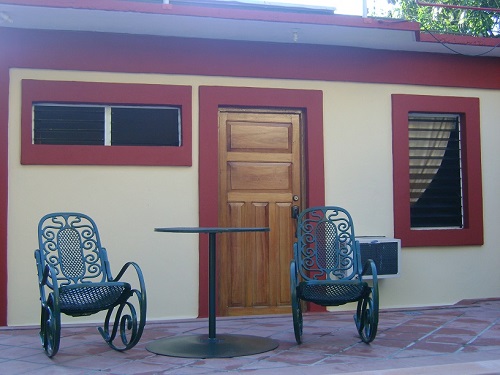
[(56, 124), (435, 171)]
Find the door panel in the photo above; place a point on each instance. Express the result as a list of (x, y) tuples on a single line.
[(260, 173), (259, 176)]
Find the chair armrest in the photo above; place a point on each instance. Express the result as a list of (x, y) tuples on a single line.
[(44, 271), (48, 277), (370, 265), (140, 277), (294, 277), (293, 269), (49, 280)]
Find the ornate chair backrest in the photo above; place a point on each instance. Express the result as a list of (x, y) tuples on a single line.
[(326, 248), (69, 242)]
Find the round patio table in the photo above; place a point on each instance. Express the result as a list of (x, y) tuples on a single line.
[(211, 345)]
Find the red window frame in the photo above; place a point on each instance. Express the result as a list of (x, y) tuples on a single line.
[(68, 92), (469, 111)]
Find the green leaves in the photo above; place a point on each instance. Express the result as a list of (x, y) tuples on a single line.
[(449, 20)]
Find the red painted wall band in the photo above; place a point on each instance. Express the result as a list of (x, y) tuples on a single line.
[(165, 55)]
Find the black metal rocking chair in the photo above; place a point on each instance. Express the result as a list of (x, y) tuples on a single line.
[(326, 269), (75, 279)]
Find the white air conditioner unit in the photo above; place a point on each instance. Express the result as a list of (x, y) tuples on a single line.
[(385, 252)]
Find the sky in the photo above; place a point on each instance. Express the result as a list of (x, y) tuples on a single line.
[(353, 7)]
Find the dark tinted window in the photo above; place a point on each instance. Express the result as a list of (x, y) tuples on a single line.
[(134, 126), (68, 125)]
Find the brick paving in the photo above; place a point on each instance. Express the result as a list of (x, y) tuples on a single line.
[(459, 339)]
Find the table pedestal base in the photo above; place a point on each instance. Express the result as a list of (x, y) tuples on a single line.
[(200, 346)]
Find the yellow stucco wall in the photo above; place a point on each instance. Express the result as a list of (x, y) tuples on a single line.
[(128, 202)]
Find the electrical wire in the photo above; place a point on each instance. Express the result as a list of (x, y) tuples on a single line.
[(440, 41), (420, 3), (454, 50), (466, 7)]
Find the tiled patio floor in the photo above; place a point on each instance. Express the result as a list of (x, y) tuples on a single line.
[(459, 339)]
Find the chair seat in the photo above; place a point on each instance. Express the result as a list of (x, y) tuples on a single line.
[(78, 300), (332, 294)]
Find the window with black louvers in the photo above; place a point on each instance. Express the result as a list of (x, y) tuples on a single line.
[(61, 124), (68, 125), (436, 199)]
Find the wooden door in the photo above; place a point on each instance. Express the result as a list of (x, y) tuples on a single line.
[(259, 182)]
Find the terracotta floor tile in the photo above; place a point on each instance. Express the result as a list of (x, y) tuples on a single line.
[(306, 358), (20, 367), (95, 362), (468, 332)]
